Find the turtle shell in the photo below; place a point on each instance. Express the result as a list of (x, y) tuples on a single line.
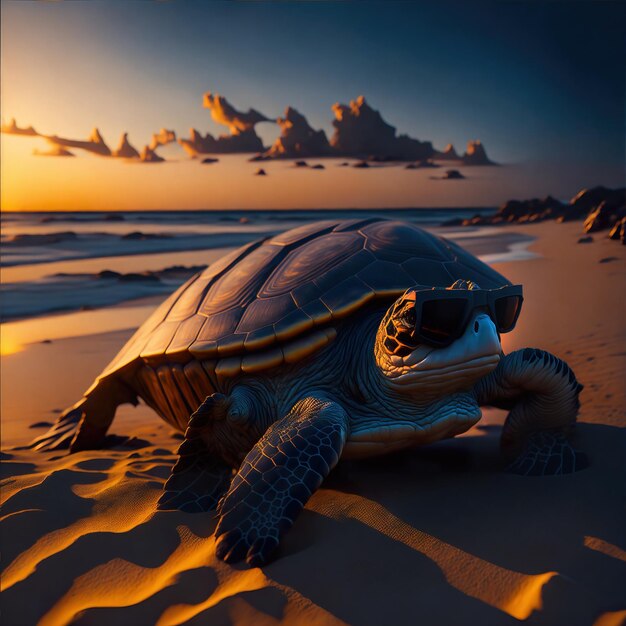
[(275, 300)]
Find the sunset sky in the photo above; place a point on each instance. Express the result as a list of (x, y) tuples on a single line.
[(541, 84)]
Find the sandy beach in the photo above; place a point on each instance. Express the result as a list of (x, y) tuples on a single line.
[(437, 535)]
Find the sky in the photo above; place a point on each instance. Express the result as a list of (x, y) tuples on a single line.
[(541, 84)]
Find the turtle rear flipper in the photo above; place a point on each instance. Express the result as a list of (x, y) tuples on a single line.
[(548, 454), (84, 426), (198, 479)]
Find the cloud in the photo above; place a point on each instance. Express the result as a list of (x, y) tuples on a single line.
[(125, 150), (54, 151), (162, 138), (244, 141), (13, 129), (297, 138), (361, 132), (243, 137), (148, 155), (225, 114), (94, 143)]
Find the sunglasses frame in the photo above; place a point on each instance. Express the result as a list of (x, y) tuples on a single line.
[(474, 298)]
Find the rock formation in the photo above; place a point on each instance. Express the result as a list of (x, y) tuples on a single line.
[(601, 207), (476, 154), (449, 154)]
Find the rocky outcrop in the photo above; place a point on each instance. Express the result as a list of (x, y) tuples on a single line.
[(600, 207), (588, 199), (476, 154), (448, 154), (297, 138), (618, 232), (452, 175), (421, 165), (603, 217)]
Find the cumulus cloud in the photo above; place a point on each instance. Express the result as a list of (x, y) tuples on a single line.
[(55, 151), (94, 143), (361, 132), (148, 155), (242, 138), (13, 129), (225, 114), (162, 138), (297, 138), (125, 150), (244, 141)]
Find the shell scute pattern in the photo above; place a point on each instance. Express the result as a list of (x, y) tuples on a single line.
[(272, 295)]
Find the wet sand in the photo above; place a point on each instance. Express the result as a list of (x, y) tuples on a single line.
[(438, 535)]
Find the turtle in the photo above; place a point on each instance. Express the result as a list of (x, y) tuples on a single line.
[(339, 338)]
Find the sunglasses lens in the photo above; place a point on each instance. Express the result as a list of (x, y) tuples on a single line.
[(442, 320), (507, 312)]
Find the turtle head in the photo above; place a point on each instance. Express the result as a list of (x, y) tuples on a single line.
[(434, 342)]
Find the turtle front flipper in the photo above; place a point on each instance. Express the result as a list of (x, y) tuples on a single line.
[(198, 479), (84, 426), (541, 392), (277, 477)]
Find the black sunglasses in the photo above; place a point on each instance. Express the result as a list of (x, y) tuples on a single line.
[(441, 315)]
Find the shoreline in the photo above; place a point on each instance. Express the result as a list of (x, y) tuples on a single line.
[(33, 285)]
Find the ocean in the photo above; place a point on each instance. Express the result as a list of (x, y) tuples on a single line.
[(65, 269)]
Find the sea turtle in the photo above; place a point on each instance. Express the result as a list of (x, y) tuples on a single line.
[(338, 338)]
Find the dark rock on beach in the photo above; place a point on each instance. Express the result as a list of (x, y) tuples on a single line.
[(588, 239), (40, 425), (604, 216), (600, 207), (618, 232)]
